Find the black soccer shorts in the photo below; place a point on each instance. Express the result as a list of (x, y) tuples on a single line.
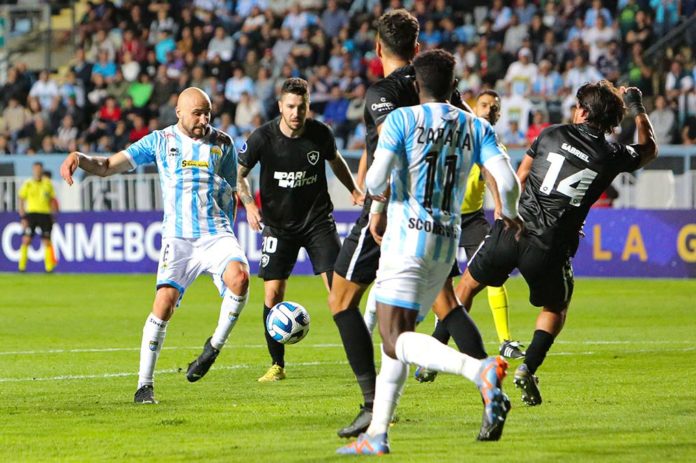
[(42, 221), (280, 249), (548, 272), (358, 259)]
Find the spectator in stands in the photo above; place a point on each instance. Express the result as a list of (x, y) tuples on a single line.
[(167, 111), (105, 66), (430, 37), (46, 147), (581, 73), (296, 20), (101, 43), (98, 92), (521, 73), (549, 49), (513, 137), (139, 129), (133, 45), (627, 17), (639, 72), (121, 133), (642, 31), (82, 68), (548, 81), (677, 81), (67, 134), (13, 88), (35, 133), (501, 16), (282, 47), (255, 20), (609, 63), (335, 114), (118, 86), (514, 34), (14, 118), (666, 15), (663, 121), (220, 45), (593, 14), (129, 67), (598, 37), (238, 84), (45, 91), (333, 19), (538, 124), (141, 90), (71, 87), (161, 23), (515, 107), (264, 91), (247, 109), (164, 45), (162, 88)]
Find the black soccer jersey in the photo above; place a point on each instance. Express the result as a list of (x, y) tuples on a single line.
[(573, 164), (294, 194), (397, 90)]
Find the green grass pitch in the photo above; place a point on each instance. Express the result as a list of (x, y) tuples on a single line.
[(619, 384)]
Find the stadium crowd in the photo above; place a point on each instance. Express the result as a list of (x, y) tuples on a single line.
[(133, 57)]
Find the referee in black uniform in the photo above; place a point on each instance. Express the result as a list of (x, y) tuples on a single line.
[(564, 172), (296, 206)]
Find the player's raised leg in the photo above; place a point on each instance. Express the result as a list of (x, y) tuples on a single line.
[(234, 283)]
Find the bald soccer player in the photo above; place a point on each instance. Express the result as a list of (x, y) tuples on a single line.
[(197, 165)]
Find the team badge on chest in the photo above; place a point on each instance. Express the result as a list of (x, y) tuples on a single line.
[(313, 157)]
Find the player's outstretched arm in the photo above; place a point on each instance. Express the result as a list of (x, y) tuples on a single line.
[(244, 192), (340, 169), (647, 144), (509, 189), (97, 165)]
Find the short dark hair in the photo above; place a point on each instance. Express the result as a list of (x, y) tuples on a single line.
[(435, 73), (397, 30), (294, 85), (38, 163), (488, 92), (603, 103)]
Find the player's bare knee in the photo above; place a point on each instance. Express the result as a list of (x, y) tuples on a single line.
[(236, 278), (389, 345)]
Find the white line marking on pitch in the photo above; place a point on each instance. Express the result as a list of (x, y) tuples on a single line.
[(305, 364), (316, 346)]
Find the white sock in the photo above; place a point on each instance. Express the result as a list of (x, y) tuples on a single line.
[(390, 384), (426, 351), (230, 309), (150, 347), (371, 311)]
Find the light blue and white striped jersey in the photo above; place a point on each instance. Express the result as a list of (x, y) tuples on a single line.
[(198, 179), (432, 148)]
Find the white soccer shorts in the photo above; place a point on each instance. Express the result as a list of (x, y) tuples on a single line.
[(182, 260), (410, 282)]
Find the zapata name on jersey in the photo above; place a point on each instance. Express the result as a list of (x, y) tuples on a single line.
[(294, 179), (458, 138)]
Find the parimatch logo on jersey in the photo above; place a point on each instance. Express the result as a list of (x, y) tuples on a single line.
[(294, 179)]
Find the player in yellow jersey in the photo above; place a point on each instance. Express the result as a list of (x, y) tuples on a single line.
[(37, 205), (474, 228)]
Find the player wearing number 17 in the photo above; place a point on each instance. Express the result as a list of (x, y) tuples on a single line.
[(564, 172)]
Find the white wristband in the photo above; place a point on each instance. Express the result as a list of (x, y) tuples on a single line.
[(377, 207)]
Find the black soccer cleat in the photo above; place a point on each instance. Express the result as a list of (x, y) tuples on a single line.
[(145, 395), (527, 382), (512, 350), (199, 367), (359, 424)]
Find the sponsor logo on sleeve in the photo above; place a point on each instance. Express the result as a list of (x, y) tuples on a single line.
[(383, 105)]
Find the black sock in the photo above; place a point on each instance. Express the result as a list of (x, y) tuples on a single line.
[(440, 333), (357, 343), (536, 352), (276, 349), (465, 333)]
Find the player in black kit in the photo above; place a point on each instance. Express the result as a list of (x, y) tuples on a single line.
[(356, 266), (564, 172), (296, 206)]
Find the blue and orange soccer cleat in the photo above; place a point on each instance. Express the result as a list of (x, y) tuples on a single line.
[(366, 445), (496, 405)]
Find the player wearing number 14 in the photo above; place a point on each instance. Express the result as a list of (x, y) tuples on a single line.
[(564, 172)]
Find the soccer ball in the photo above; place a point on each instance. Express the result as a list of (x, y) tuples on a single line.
[(288, 322)]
